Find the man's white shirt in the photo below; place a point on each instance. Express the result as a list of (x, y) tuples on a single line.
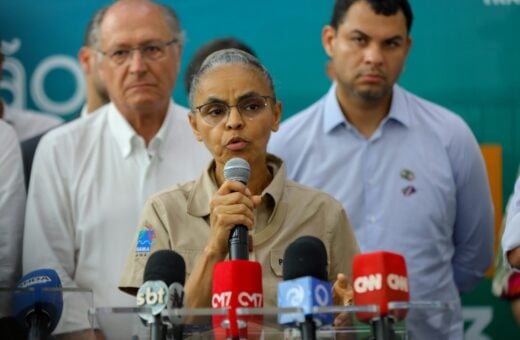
[(12, 208), (90, 180), (28, 124)]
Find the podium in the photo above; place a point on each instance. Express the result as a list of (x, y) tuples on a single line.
[(422, 319), (126, 322), (262, 323)]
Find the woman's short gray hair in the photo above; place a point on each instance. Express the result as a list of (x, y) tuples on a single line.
[(230, 56)]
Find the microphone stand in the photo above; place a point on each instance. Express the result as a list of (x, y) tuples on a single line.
[(177, 332), (383, 328), (157, 329), (38, 326), (308, 329)]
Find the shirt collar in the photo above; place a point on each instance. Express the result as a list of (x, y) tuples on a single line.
[(121, 130), (125, 134), (399, 110), (84, 111), (206, 186), (333, 115)]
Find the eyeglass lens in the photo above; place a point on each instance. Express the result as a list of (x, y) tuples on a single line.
[(249, 107)]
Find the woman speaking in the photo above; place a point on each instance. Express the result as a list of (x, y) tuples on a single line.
[(234, 109)]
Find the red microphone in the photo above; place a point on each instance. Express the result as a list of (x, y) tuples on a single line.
[(236, 283), (512, 288), (379, 278)]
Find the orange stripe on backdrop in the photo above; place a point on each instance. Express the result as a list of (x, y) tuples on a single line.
[(492, 154)]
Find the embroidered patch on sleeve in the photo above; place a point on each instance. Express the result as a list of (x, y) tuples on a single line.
[(145, 240)]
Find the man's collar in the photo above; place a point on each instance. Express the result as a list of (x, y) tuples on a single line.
[(124, 133), (399, 110), (333, 115)]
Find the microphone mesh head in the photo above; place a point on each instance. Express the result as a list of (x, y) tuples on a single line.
[(237, 169), (166, 266), (305, 256)]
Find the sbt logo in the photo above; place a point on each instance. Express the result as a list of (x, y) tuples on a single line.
[(151, 297), (374, 282), (244, 299)]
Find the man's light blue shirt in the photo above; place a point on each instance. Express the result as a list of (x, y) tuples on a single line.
[(418, 186)]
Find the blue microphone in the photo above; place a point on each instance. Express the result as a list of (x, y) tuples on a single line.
[(305, 285), (39, 305)]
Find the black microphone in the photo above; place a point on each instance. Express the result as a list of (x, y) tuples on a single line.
[(164, 268), (237, 169), (305, 284), (305, 256)]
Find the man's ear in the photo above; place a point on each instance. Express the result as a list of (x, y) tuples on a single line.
[(194, 127), (84, 55), (408, 44), (328, 39)]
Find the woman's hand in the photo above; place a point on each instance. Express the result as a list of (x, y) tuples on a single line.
[(342, 295), (231, 205), (513, 256)]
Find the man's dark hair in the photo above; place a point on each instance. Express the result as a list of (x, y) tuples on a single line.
[(381, 7), (208, 48)]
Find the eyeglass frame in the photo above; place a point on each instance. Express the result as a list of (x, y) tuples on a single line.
[(108, 53), (266, 100)]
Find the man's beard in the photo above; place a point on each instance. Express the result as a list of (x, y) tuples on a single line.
[(370, 95)]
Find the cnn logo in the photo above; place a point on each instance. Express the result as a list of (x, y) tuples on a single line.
[(374, 282)]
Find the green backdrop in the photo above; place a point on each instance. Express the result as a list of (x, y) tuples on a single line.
[(465, 56)]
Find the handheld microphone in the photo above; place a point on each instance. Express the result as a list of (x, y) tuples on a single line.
[(39, 309), (511, 290), (236, 284), (163, 268), (237, 169), (305, 285), (379, 278)]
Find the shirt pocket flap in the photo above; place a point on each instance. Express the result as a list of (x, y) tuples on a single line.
[(276, 261)]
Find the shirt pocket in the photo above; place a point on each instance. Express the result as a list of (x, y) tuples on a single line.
[(276, 262)]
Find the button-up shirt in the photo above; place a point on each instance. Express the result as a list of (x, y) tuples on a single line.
[(12, 208), (90, 180), (178, 219), (28, 124), (417, 186)]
